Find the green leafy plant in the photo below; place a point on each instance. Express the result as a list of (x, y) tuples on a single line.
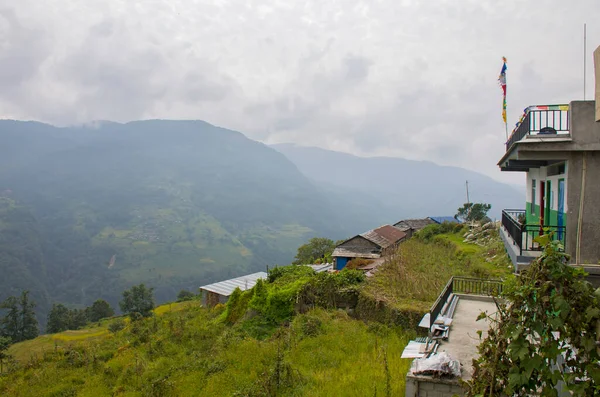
[(544, 333)]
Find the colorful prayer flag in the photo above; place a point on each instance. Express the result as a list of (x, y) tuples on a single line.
[(502, 81)]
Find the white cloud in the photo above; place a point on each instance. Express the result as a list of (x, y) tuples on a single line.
[(400, 78)]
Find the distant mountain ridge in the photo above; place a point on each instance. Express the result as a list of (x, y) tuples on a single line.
[(400, 188), (178, 204)]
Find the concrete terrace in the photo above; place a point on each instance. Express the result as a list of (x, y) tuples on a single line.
[(463, 338)]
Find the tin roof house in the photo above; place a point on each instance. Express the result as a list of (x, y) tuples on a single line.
[(369, 245), (558, 149), (213, 294)]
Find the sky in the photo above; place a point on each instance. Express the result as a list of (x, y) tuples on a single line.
[(411, 79)]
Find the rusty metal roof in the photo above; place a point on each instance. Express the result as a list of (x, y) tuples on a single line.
[(384, 236)]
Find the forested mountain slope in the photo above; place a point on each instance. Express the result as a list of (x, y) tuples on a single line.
[(88, 211)]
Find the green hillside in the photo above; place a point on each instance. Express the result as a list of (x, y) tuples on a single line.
[(288, 336), (174, 204)]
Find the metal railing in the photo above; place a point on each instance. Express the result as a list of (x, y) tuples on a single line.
[(464, 285), (536, 118), (510, 221), (523, 234)]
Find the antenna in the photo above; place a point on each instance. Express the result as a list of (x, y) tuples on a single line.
[(467, 185), (584, 58)]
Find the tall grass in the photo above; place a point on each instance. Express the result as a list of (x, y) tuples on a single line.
[(414, 276)]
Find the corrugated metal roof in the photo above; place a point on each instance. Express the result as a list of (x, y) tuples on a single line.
[(384, 236), (226, 288), (415, 224), (323, 267), (442, 219)]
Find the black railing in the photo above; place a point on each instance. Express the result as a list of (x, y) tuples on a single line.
[(524, 234), (464, 285), (514, 227), (536, 118), (531, 232)]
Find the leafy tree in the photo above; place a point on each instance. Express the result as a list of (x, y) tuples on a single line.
[(138, 299), (99, 309), (77, 318), (58, 318), (548, 319), (473, 212), (4, 344), (185, 295), (29, 324), (316, 248)]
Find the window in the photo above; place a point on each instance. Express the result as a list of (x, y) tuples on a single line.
[(533, 197)]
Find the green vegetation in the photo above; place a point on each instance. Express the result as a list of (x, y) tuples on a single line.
[(263, 342), (19, 323), (317, 250), (138, 301), (473, 212), (550, 316), (413, 278), (185, 295), (88, 212)]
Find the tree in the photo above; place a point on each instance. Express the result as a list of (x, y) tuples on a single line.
[(58, 319), (316, 248), (185, 295), (99, 309), (473, 212), (29, 323), (4, 344), (138, 299), (549, 318), (10, 323)]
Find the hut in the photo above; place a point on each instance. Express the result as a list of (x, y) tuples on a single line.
[(215, 293)]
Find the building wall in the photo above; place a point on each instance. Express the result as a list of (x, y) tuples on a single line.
[(585, 130), (356, 244), (590, 230), (431, 387)]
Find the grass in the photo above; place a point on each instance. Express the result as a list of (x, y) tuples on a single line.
[(414, 276), (190, 352)]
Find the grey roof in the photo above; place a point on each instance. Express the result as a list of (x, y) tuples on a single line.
[(415, 224), (323, 267), (355, 252), (226, 288)]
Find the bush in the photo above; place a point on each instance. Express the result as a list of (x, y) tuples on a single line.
[(357, 262), (116, 325)]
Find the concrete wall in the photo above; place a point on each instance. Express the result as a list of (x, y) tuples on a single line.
[(585, 131), (597, 74), (424, 386), (590, 230)]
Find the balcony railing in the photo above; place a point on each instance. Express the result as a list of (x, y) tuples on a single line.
[(464, 285), (524, 234), (548, 119)]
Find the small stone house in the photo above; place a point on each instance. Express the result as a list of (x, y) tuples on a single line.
[(369, 245)]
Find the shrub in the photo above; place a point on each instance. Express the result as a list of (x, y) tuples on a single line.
[(357, 262), (116, 325)]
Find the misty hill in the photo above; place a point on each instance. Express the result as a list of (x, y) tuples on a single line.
[(88, 211), (395, 188)]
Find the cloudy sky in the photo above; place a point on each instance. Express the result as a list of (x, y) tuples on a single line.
[(413, 79)]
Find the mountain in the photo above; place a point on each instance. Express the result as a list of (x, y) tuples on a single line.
[(88, 211), (394, 188)]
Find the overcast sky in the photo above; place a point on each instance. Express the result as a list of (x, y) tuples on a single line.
[(412, 79)]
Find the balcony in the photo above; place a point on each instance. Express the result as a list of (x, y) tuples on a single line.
[(518, 237), (547, 120)]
